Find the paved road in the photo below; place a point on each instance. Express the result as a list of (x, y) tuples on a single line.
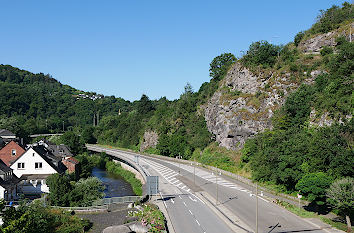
[(189, 214)]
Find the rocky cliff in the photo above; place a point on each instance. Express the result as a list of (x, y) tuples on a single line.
[(317, 42), (245, 102)]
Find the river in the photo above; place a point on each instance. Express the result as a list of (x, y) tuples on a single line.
[(115, 185)]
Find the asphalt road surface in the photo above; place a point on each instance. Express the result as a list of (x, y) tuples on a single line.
[(188, 213)]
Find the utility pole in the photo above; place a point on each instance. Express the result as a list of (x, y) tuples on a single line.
[(256, 208), (94, 120), (194, 172), (63, 126)]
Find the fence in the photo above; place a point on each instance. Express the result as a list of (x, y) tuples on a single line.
[(83, 209), (117, 200)]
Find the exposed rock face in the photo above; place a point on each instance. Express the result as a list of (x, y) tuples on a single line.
[(325, 119), (244, 104), (151, 139), (315, 44)]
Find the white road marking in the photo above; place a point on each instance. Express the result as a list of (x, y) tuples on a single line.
[(173, 202), (190, 212), (197, 222)]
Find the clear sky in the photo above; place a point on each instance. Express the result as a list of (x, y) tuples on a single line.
[(127, 48)]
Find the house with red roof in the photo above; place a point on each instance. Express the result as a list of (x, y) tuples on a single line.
[(10, 152)]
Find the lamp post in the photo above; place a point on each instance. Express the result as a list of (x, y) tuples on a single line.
[(193, 172), (256, 208), (217, 191)]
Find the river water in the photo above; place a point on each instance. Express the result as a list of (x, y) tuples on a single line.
[(115, 185)]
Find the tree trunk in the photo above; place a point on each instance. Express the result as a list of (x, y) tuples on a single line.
[(349, 225)]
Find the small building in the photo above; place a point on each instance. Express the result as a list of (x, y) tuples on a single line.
[(8, 183), (33, 167), (63, 152), (10, 152), (71, 164), (7, 135)]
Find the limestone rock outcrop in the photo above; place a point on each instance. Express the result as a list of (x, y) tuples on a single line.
[(150, 139), (244, 104), (316, 43)]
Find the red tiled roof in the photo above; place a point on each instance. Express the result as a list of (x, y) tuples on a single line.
[(72, 160), (6, 155)]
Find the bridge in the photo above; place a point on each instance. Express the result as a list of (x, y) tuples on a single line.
[(196, 199), (45, 135)]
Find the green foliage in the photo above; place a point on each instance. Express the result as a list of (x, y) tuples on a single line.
[(297, 105), (220, 65), (88, 162), (283, 157), (341, 196), (60, 188), (86, 191), (36, 218), (87, 135), (326, 50), (298, 38), (261, 53), (313, 186), (73, 141), (331, 18), (67, 192), (150, 215), (116, 169)]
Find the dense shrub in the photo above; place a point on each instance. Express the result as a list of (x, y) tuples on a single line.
[(261, 53)]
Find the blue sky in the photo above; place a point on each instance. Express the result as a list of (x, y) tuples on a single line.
[(127, 48)]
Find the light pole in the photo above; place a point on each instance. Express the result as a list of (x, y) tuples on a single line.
[(217, 191), (193, 171), (256, 208)]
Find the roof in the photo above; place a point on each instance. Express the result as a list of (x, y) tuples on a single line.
[(5, 132), (5, 152), (34, 176), (52, 160), (4, 168), (72, 160), (57, 150), (10, 182)]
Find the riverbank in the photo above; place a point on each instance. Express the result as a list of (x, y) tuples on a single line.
[(102, 161)]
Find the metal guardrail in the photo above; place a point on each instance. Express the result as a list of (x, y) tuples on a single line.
[(89, 208), (102, 204), (117, 200)]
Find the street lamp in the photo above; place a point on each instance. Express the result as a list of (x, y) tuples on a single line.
[(217, 191), (256, 208), (193, 171)]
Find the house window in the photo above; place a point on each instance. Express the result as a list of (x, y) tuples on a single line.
[(21, 166), (38, 165), (13, 152)]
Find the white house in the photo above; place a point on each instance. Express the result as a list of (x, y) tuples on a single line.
[(33, 167)]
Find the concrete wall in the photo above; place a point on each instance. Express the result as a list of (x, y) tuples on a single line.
[(129, 168)]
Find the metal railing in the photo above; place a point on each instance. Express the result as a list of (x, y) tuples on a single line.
[(117, 200)]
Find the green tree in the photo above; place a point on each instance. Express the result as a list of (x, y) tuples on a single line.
[(144, 105), (85, 191), (341, 197), (72, 140), (220, 65), (314, 186), (261, 53), (59, 187)]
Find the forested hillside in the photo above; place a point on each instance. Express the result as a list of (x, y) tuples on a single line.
[(36, 103), (281, 114)]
